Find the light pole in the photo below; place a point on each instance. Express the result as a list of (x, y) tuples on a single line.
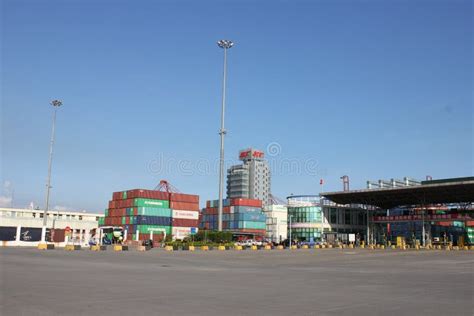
[(56, 104), (224, 44)]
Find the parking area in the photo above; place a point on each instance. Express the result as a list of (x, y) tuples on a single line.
[(302, 282)]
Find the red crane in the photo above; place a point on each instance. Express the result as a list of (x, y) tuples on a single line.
[(165, 186)]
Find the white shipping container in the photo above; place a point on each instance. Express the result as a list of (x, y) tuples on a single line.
[(181, 232), (185, 214)]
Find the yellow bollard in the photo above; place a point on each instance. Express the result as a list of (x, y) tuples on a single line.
[(97, 248), (294, 247), (305, 247), (268, 247), (316, 247), (221, 248), (117, 248), (394, 247), (330, 246), (280, 247), (323, 246), (362, 246), (351, 246), (205, 248), (69, 247), (382, 246), (169, 248), (254, 247), (341, 247), (42, 246), (192, 248)]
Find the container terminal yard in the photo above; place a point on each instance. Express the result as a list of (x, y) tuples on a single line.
[(134, 221), (404, 250)]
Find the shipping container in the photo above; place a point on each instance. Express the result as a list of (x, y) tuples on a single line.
[(153, 211), (246, 202), (147, 194), (156, 229), (180, 197), (185, 214), (184, 206), (152, 220), (215, 203), (180, 222)]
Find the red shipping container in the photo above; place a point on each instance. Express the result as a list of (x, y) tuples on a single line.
[(246, 202), (117, 196), (188, 198), (144, 236), (469, 223), (180, 222), (147, 194), (184, 206), (208, 204), (157, 237)]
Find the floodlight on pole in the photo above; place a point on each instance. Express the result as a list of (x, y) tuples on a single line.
[(225, 45), (56, 104)]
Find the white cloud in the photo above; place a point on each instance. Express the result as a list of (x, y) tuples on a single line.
[(5, 201)]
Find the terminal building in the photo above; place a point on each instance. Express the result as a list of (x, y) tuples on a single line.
[(420, 212), (311, 218), (22, 227), (251, 179)]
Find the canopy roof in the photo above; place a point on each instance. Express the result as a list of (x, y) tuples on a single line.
[(455, 190)]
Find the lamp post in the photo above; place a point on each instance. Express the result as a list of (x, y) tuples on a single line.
[(224, 44), (56, 104)]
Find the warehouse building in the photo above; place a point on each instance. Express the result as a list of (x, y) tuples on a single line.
[(22, 227), (251, 179)]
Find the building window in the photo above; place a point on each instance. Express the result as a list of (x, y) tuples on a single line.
[(347, 217), (333, 216)]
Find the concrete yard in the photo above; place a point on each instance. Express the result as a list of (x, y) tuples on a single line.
[(276, 282)]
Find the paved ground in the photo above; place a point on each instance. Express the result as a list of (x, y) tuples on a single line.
[(302, 282)]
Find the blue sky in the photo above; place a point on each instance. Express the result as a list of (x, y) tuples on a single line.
[(371, 89)]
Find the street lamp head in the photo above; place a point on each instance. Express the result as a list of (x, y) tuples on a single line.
[(56, 103), (225, 44)]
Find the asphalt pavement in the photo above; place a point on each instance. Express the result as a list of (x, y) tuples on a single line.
[(276, 282)]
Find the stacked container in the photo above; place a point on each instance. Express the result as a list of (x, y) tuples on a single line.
[(185, 214), (238, 215), (149, 214)]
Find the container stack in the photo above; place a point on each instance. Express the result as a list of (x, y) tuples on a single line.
[(238, 215), (185, 214), (150, 214)]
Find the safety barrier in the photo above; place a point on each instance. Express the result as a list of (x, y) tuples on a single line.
[(45, 246)]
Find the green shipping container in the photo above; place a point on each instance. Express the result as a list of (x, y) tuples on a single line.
[(151, 203), (154, 211), (106, 212), (124, 195), (146, 229)]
